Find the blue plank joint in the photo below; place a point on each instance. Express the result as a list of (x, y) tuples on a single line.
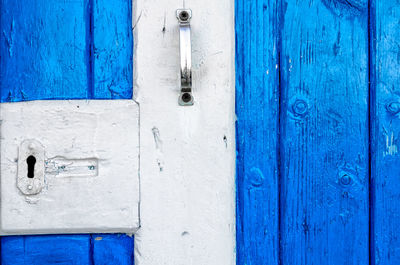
[(66, 50)]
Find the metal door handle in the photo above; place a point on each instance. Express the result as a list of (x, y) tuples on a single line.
[(184, 16)]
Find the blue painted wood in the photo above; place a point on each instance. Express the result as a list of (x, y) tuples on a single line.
[(314, 159), (95, 249), (112, 249), (385, 130), (324, 133), (43, 50), (257, 105), (65, 50), (113, 49), (46, 250)]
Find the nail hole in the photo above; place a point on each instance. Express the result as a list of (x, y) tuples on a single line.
[(31, 161), (186, 97), (184, 15)]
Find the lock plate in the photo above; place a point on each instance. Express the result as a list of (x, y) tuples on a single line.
[(30, 167), (69, 167)]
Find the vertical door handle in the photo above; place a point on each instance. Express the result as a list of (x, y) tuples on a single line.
[(184, 16)]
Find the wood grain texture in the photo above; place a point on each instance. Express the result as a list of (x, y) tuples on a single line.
[(113, 49), (385, 114), (65, 50), (43, 50), (257, 102), (324, 132)]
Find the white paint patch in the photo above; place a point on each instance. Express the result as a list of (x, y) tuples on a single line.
[(187, 154), (391, 147), (90, 164)]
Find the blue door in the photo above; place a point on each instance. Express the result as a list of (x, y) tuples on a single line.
[(317, 133)]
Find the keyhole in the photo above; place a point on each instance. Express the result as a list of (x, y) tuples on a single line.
[(31, 161)]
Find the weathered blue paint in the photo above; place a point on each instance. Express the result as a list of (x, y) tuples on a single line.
[(315, 163), (46, 250), (43, 50), (112, 249), (324, 159), (66, 50), (67, 249), (385, 131), (257, 103), (113, 49)]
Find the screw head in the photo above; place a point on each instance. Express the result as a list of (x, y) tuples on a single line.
[(184, 15), (186, 97), (30, 187), (345, 180), (300, 107)]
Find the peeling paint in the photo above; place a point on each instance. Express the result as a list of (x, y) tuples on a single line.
[(391, 147)]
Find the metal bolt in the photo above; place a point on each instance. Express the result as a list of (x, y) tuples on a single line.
[(300, 107), (186, 97), (184, 15), (345, 180)]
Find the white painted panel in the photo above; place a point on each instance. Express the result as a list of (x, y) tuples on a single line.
[(187, 153), (90, 164)]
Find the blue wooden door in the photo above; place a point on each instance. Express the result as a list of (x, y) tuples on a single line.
[(317, 101), (317, 132), (66, 50)]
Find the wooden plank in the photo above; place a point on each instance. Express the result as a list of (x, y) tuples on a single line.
[(187, 154), (324, 133), (43, 250), (113, 49), (112, 249), (43, 51), (385, 114), (257, 102)]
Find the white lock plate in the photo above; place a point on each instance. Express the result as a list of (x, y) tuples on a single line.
[(85, 176), (30, 180)]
